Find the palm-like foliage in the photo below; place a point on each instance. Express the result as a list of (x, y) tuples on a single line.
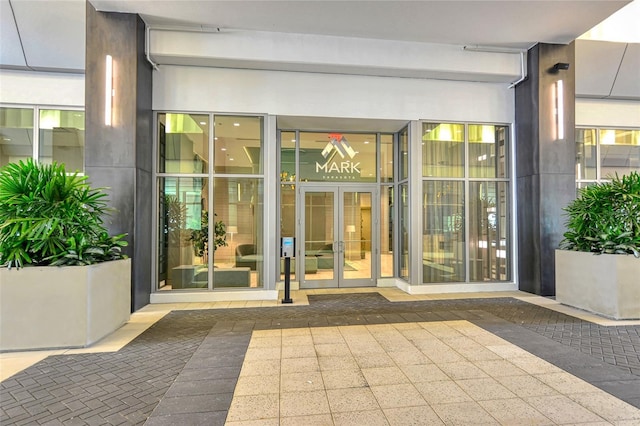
[(50, 218), (605, 218)]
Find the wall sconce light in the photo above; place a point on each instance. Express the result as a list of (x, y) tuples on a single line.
[(108, 90), (560, 66), (560, 109)]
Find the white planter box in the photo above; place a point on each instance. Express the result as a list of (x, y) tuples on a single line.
[(63, 307), (605, 284)]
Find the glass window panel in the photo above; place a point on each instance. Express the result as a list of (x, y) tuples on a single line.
[(238, 144), (238, 207), (319, 235), (404, 231), (488, 151), (489, 244), (288, 157), (586, 154), (442, 150), (443, 238), (386, 158), (182, 218), (288, 220), (386, 231), (16, 134), (62, 138), (403, 156), (357, 235), (183, 143), (338, 157), (619, 152)]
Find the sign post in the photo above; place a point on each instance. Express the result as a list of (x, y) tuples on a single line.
[(287, 247)]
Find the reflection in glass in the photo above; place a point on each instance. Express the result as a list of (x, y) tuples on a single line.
[(183, 143), (337, 157), (357, 234), (386, 231), (182, 214), (16, 134), (288, 221), (319, 231), (586, 154), (443, 239), (489, 231), (62, 138), (288, 157), (238, 207), (442, 150), (238, 144), (386, 158), (488, 151), (619, 152), (404, 231), (403, 155)]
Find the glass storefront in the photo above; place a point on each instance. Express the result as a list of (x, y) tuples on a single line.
[(60, 136), (603, 153), (210, 219)]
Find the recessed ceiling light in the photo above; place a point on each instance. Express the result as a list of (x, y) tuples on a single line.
[(203, 122), (231, 159), (366, 142), (293, 140), (215, 138), (236, 124), (223, 149)]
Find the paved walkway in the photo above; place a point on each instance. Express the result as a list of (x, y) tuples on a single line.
[(349, 358)]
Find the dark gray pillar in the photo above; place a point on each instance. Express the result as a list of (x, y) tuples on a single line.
[(545, 163), (119, 156)]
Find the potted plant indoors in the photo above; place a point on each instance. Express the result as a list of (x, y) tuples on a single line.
[(200, 237), (64, 281), (598, 263)]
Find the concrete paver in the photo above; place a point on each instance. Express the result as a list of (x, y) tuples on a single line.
[(365, 357)]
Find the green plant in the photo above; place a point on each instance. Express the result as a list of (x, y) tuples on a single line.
[(200, 237), (605, 218), (48, 217)]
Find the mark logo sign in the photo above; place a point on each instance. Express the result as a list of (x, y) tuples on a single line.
[(338, 145)]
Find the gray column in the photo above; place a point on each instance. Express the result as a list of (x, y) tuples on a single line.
[(119, 156), (545, 163)]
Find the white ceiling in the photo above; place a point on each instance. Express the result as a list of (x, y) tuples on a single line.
[(49, 35)]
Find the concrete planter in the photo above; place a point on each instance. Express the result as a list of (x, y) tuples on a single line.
[(63, 307), (608, 285)]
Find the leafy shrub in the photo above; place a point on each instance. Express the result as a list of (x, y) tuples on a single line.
[(605, 218), (50, 218)]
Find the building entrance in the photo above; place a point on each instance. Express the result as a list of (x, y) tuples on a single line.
[(338, 236)]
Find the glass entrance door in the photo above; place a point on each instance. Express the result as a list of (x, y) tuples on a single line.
[(338, 237)]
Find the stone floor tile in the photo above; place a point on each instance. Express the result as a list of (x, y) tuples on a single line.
[(524, 386), (303, 403), (262, 354), (534, 365), (409, 357), (514, 412), (462, 370), (384, 376), (257, 385), (261, 422), (301, 382), (337, 363), (314, 420), (351, 399), (299, 365), (442, 392), (562, 410), (215, 418), (296, 339), (447, 355), (565, 383), (266, 342), (484, 389), (299, 351), (341, 379), (464, 414), (607, 406), (260, 368), (360, 418), (193, 404), (499, 368), (507, 351), (423, 373), (412, 416), (254, 407), (400, 395), (202, 387), (374, 360), (332, 349)]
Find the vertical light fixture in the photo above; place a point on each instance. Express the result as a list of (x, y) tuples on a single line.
[(108, 90), (560, 108)]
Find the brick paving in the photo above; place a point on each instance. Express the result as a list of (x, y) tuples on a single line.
[(170, 360)]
